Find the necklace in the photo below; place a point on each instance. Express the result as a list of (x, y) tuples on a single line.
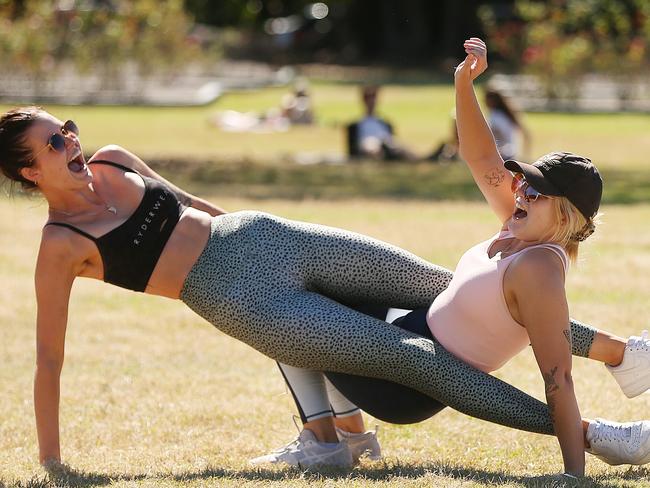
[(108, 208)]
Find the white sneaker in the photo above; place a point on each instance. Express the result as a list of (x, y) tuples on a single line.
[(633, 374), (307, 451), (360, 444), (620, 443)]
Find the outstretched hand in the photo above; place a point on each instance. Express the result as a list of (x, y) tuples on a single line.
[(475, 62)]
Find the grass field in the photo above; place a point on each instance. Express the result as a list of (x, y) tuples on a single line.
[(421, 114), (181, 143), (154, 396)]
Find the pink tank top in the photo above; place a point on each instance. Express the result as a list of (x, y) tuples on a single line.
[(471, 318)]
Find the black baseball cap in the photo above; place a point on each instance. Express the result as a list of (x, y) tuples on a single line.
[(564, 174)]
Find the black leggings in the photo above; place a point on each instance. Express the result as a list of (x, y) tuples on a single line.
[(385, 400), (399, 404)]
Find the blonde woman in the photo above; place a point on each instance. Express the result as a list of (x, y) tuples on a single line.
[(507, 292)]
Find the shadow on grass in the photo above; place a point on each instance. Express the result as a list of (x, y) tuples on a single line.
[(373, 473), (363, 179), (396, 181)]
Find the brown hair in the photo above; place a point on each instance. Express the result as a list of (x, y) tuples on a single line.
[(14, 153), (495, 100)]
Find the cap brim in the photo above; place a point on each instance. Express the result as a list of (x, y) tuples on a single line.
[(534, 177)]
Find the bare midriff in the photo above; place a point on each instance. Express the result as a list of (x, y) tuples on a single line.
[(182, 250)]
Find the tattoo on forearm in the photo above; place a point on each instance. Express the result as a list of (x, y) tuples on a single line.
[(551, 407), (567, 336), (495, 177), (549, 381)]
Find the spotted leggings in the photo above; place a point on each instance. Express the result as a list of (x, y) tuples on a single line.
[(267, 281), (328, 394)]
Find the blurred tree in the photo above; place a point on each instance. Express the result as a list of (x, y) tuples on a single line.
[(562, 39), (225, 13), (410, 32), (38, 37)]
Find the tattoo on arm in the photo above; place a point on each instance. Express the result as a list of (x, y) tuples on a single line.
[(567, 336), (549, 381), (495, 177), (551, 388), (551, 407)]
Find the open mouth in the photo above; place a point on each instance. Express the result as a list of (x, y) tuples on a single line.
[(77, 164), (519, 212)]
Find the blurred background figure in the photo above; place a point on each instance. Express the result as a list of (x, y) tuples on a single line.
[(507, 127), (373, 137), (297, 106), (447, 151), (273, 120), (295, 109)]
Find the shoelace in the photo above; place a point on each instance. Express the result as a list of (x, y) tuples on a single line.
[(295, 423), (612, 433), (293, 445), (641, 343)]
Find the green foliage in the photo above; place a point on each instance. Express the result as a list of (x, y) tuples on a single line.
[(561, 40), (38, 38), (242, 13)]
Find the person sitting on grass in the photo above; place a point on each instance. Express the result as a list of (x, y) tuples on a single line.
[(506, 126), (372, 137)]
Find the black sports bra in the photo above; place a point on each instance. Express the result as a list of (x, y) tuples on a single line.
[(131, 250)]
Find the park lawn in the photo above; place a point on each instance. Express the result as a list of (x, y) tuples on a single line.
[(420, 113), (154, 396), (181, 144)]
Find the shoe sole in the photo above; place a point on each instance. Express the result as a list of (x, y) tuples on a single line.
[(640, 462), (631, 392)]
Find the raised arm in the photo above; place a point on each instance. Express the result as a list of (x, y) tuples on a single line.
[(55, 273), (546, 318), (126, 158), (476, 142)]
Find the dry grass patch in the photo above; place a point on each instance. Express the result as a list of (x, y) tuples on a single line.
[(154, 396)]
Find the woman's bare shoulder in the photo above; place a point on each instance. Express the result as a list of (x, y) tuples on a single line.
[(116, 154), (62, 247), (537, 268)]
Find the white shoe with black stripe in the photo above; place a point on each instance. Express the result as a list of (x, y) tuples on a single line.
[(306, 451)]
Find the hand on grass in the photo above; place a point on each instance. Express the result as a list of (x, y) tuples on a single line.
[(56, 468)]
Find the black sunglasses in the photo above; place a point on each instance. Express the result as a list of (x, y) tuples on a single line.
[(56, 140)]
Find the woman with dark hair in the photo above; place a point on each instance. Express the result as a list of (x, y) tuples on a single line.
[(506, 125)]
